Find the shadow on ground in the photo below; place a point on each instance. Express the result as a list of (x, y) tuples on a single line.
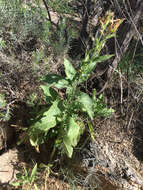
[(138, 135)]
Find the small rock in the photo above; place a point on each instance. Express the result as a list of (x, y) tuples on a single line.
[(7, 162)]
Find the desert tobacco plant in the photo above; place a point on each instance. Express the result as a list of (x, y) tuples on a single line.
[(65, 112)]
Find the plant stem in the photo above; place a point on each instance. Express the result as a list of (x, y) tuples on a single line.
[(52, 154), (47, 11)]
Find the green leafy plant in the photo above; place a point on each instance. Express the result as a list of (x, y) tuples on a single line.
[(64, 115), (4, 108), (26, 179)]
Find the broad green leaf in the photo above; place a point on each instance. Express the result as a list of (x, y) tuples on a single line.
[(62, 84), (46, 122), (33, 174), (52, 78), (69, 69), (72, 135), (43, 123), (49, 92), (86, 104), (48, 119), (102, 58), (55, 80), (68, 146), (73, 131)]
